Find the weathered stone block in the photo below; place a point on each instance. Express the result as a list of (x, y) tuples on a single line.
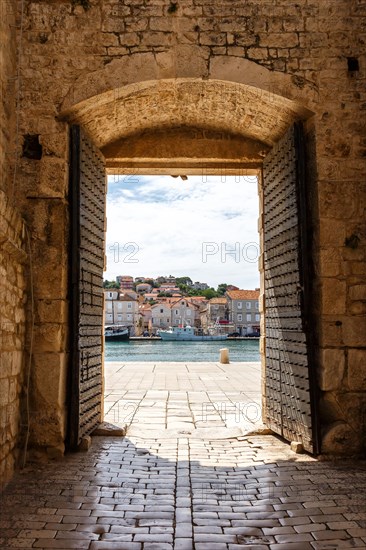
[(50, 378), (333, 296), (354, 331), (357, 292), (332, 232), (357, 369), (340, 439), (329, 262), (280, 40), (7, 358), (4, 392), (257, 53), (162, 24), (56, 452), (49, 337), (331, 369), (85, 443), (136, 24), (157, 38), (331, 331), (51, 311), (111, 430), (355, 268), (297, 447), (357, 308), (110, 39), (129, 39), (116, 25)]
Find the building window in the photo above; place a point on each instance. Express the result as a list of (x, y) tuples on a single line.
[(249, 317), (240, 317), (167, 320), (188, 312), (109, 306), (129, 305), (177, 312), (161, 311), (249, 305), (240, 305), (257, 305), (119, 305), (119, 316), (257, 317), (129, 317)]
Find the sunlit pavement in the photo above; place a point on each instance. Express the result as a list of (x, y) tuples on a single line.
[(185, 481), (194, 399)]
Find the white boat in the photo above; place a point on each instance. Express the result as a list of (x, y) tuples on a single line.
[(116, 332), (188, 333)]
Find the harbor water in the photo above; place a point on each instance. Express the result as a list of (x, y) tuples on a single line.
[(157, 350)]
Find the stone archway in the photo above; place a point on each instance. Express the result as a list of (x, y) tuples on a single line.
[(202, 122), (122, 123), (311, 55), (187, 63)]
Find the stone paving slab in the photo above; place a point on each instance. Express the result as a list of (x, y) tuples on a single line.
[(204, 486), (182, 493), (183, 398)]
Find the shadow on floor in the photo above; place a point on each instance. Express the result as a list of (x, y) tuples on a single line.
[(157, 494)]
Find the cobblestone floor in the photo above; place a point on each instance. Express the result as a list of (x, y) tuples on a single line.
[(183, 492)]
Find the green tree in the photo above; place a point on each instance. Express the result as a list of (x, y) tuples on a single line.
[(110, 284), (183, 281), (152, 283), (183, 288), (209, 293), (221, 289)]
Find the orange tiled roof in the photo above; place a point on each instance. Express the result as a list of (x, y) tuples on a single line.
[(125, 297), (186, 299), (145, 307), (166, 300), (218, 300), (243, 294)]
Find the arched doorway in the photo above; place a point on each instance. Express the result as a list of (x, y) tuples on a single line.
[(152, 127)]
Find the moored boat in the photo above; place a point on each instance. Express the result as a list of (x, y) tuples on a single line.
[(188, 333), (116, 333)]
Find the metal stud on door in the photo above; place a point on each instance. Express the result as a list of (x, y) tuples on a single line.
[(87, 209), (289, 382)]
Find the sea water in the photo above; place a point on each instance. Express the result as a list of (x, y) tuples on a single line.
[(158, 350)]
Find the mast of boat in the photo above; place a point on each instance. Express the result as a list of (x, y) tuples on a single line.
[(216, 327)]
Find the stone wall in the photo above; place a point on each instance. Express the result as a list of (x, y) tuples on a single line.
[(12, 256), (8, 83), (97, 62), (12, 332)]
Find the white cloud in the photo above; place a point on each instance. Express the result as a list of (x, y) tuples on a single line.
[(170, 220)]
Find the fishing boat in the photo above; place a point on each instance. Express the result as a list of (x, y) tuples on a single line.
[(116, 333), (189, 333)]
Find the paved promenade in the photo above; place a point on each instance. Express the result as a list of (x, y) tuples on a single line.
[(175, 483), (191, 399)]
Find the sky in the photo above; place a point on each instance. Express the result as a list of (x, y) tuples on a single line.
[(204, 228)]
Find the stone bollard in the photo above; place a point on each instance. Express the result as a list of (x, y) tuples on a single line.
[(224, 356)]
